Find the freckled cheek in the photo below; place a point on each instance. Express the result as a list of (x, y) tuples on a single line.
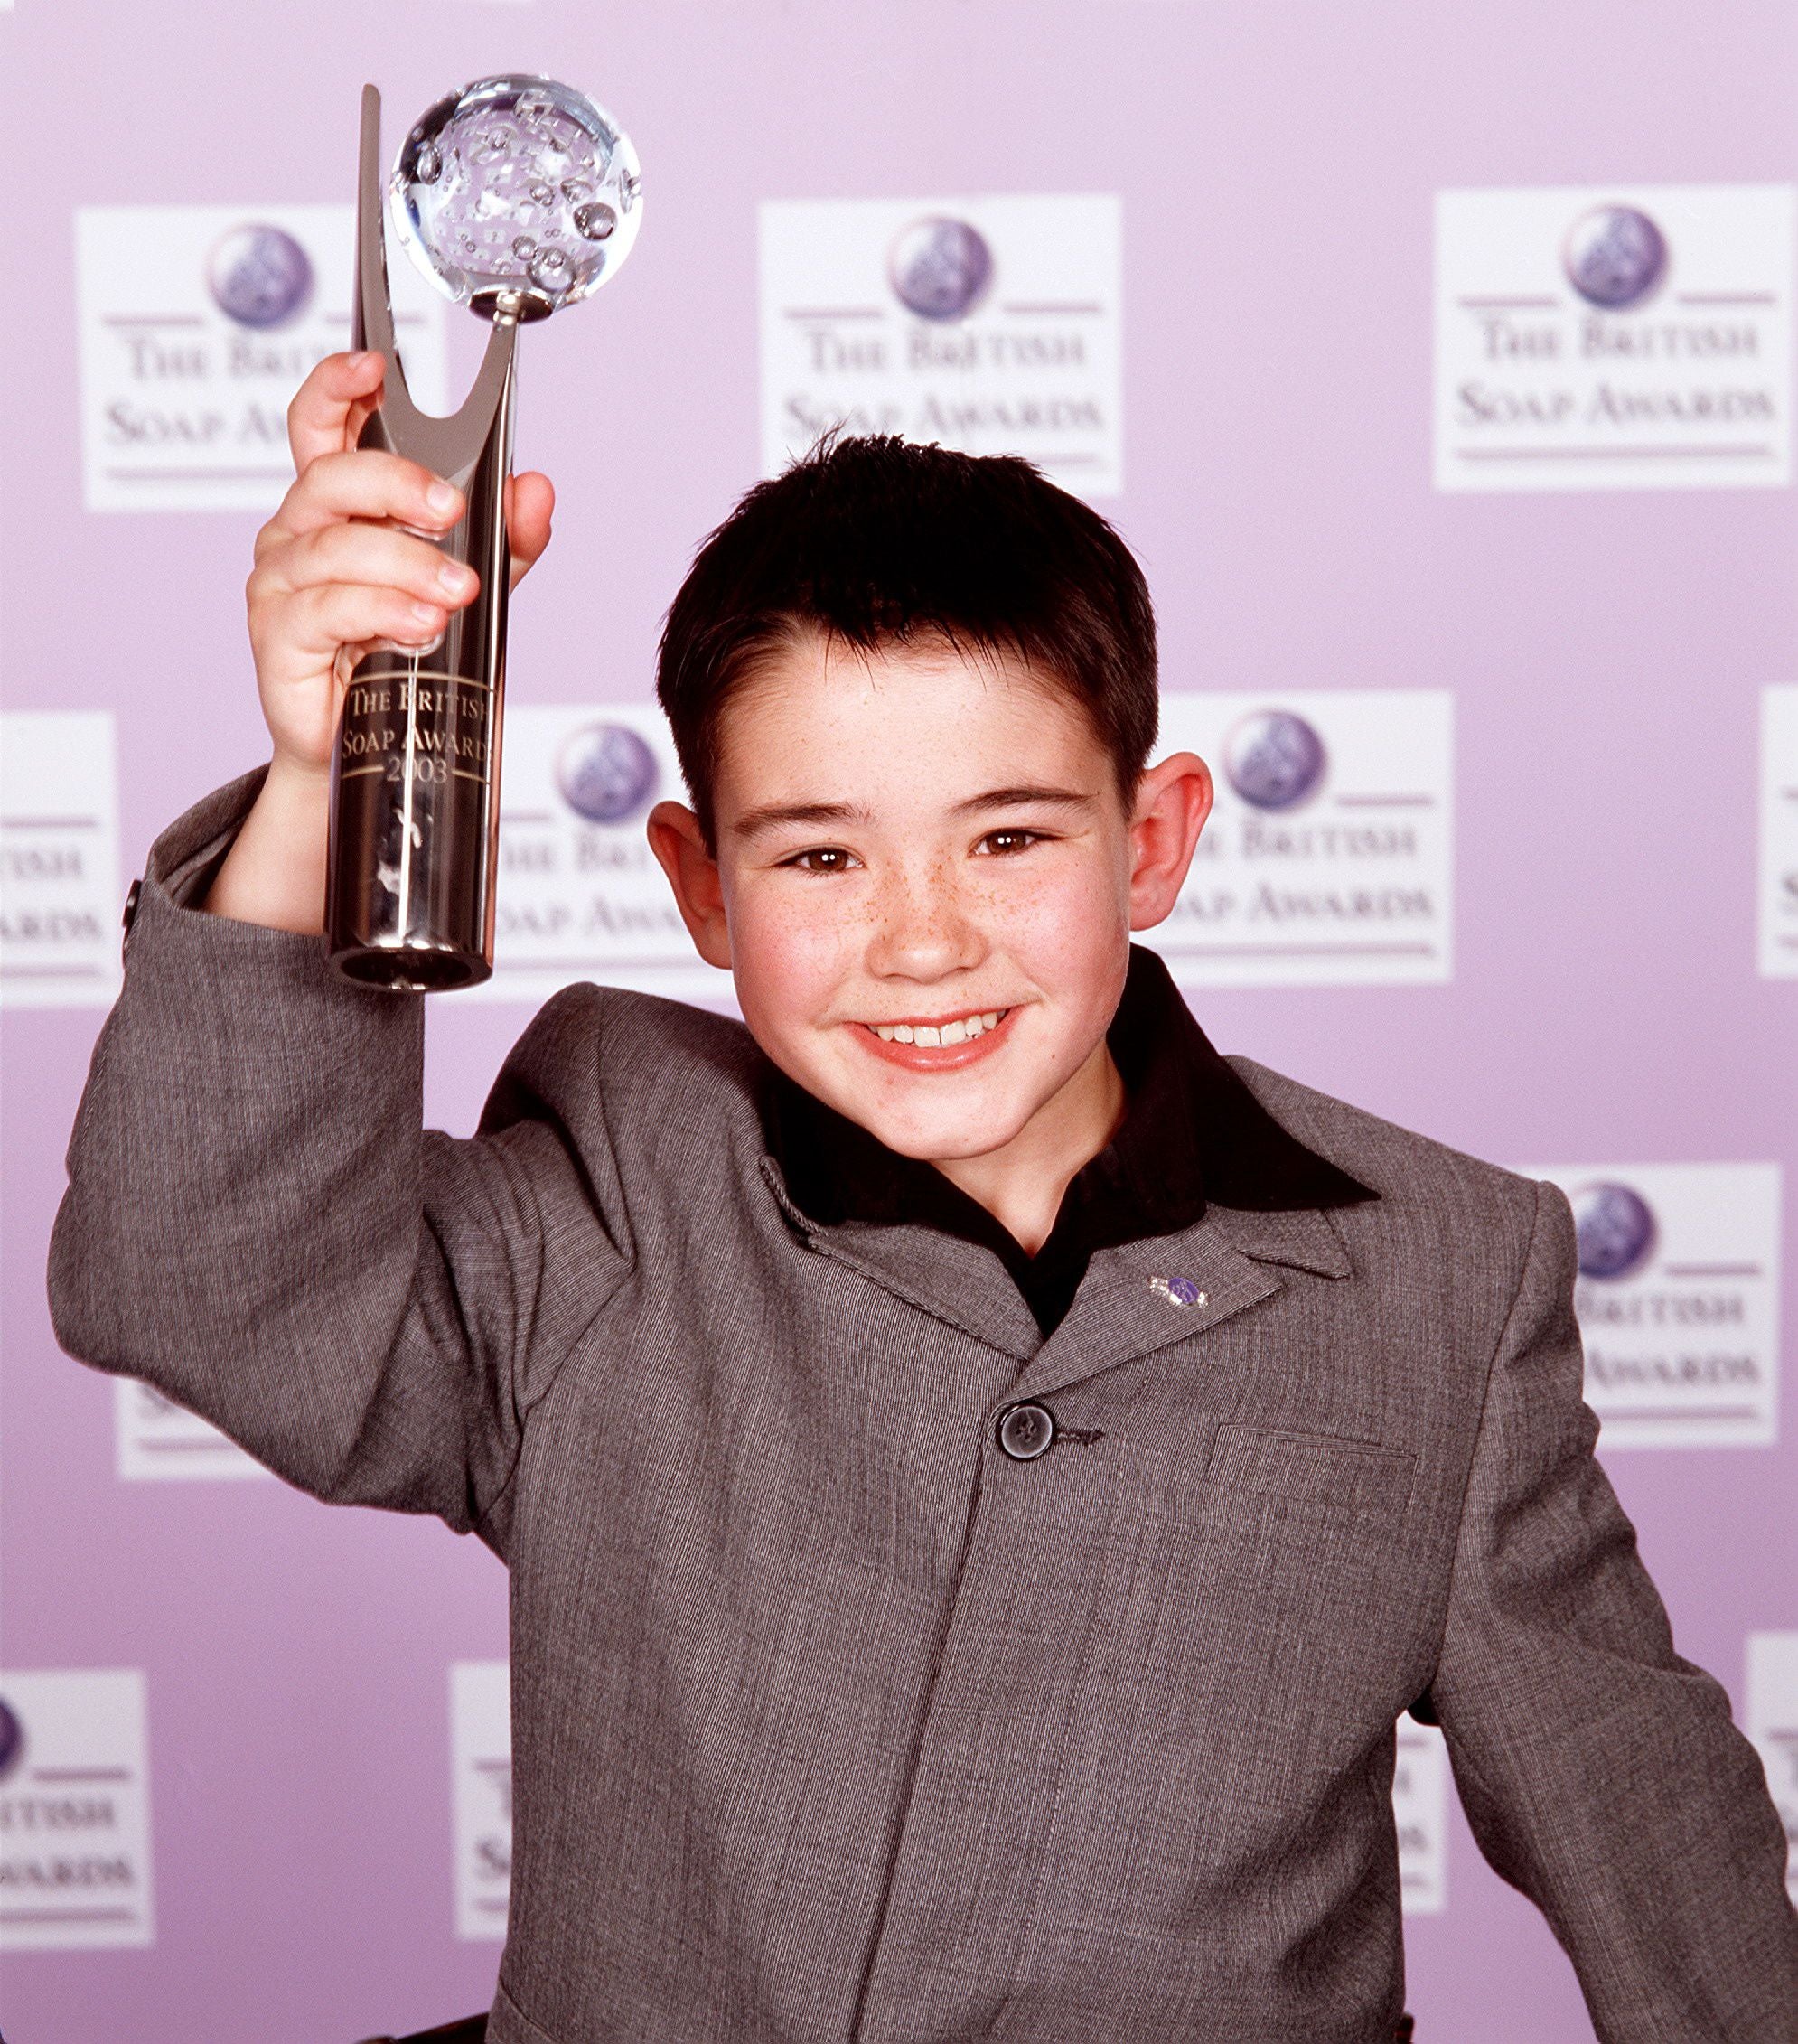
[(1055, 925), (790, 953)]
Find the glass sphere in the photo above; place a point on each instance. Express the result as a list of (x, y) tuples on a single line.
[(520, 185)]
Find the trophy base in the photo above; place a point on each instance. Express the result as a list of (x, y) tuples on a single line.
[(411, 968)]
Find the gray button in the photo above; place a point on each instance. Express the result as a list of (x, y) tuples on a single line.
[(1027, 1431)]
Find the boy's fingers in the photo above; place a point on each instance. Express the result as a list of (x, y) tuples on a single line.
[(320, 418), (317, 622), (531, 504), (362, 483), (376, 556)]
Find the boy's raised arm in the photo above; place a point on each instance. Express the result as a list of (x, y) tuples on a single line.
[(256, 1222), (1599, 1770)]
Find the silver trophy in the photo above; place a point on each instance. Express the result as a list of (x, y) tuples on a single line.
[(516, 196)]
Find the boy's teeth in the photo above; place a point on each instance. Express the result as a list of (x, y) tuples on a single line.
[(931, 1034)]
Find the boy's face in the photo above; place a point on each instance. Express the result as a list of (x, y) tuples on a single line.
[(924, 886)]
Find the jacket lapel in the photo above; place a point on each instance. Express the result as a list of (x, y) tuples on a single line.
[(1149, 1294), (955, 1280), (1134, 1299)]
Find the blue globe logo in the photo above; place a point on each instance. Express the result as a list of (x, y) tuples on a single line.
[(1275, 759), (606, 772), (259, 276), (1614, 257), (12, 1739), (1617, 1229), (939, 268)]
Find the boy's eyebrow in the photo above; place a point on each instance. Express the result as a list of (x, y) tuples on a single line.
[(1016, 798), (771, 815)]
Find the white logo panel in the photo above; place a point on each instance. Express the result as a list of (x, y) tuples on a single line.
[(197, 325), (60, 896), (1773, 1725), (1421, 1811), (1678, 1299), (1329, 858), (74, 1810), (1779, 832), (1613, 337), (480, 1791), (990, 325), (580, 894), (157, 1439)]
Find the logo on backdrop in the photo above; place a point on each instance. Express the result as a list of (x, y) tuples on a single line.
[(1327, 860), (1615, 1230), (1594, 339), (155, 1441), (197, 325), (1771, 1721), (1779, 832), (1678, 1301), (940, 268), (606, 772), (481, 1796), (1275, 760), (1420, 1815), (1614, 257), (990, 325), (12, 1739), (74, 1811), (581, 896), (59, 892), (259, 276)]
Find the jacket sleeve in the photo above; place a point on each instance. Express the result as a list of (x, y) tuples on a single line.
[(258, 1223), (1600, 1772)]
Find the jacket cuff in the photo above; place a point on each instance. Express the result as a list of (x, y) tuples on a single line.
[(169, 942)]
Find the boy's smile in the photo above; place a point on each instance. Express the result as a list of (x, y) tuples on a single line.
[(924, 886)]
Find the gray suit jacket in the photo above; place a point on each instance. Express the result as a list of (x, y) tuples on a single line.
[(831, 1720)]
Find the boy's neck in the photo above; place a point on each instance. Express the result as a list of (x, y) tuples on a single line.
[(1022, 1184)]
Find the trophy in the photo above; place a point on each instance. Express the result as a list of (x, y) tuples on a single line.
[(516, 196)]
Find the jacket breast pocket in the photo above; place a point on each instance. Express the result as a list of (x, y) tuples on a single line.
[(1363, 1479)]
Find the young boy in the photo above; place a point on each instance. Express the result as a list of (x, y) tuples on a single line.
[(981, 1474)]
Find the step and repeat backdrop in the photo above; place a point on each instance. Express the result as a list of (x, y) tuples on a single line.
[(1442, 376)]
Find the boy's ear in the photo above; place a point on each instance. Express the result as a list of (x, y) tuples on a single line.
[(1173, 801), (680, 846)]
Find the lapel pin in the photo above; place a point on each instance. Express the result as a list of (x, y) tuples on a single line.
[(1177, 1291)]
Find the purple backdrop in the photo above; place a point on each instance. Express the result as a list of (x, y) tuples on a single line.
[(1277, 164)]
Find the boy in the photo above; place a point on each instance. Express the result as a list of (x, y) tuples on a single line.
[(982, 1475)]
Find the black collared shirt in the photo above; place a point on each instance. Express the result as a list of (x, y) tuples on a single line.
[(1192, 1133)]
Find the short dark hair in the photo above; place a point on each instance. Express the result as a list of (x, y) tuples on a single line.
[(873, 540)]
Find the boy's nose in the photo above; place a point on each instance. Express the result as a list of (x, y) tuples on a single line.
[(922, 930)]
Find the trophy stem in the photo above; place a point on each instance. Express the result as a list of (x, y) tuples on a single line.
[(414, 780)]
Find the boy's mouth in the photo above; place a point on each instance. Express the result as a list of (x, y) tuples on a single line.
[(956, 1030), (947, 1044)]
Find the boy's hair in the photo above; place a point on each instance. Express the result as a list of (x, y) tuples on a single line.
[(874, 540)]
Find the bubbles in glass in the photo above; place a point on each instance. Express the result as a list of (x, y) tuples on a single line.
[(494, 173)]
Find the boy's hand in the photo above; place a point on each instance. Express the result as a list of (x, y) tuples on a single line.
[(335, 574)]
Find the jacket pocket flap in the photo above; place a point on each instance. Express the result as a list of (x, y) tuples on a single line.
[(1301, 1469)]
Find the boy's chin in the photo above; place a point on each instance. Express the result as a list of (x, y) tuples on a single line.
[(927, 1140)]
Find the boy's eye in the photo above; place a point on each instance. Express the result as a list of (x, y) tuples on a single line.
[(1002, 841), (822, 859)]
